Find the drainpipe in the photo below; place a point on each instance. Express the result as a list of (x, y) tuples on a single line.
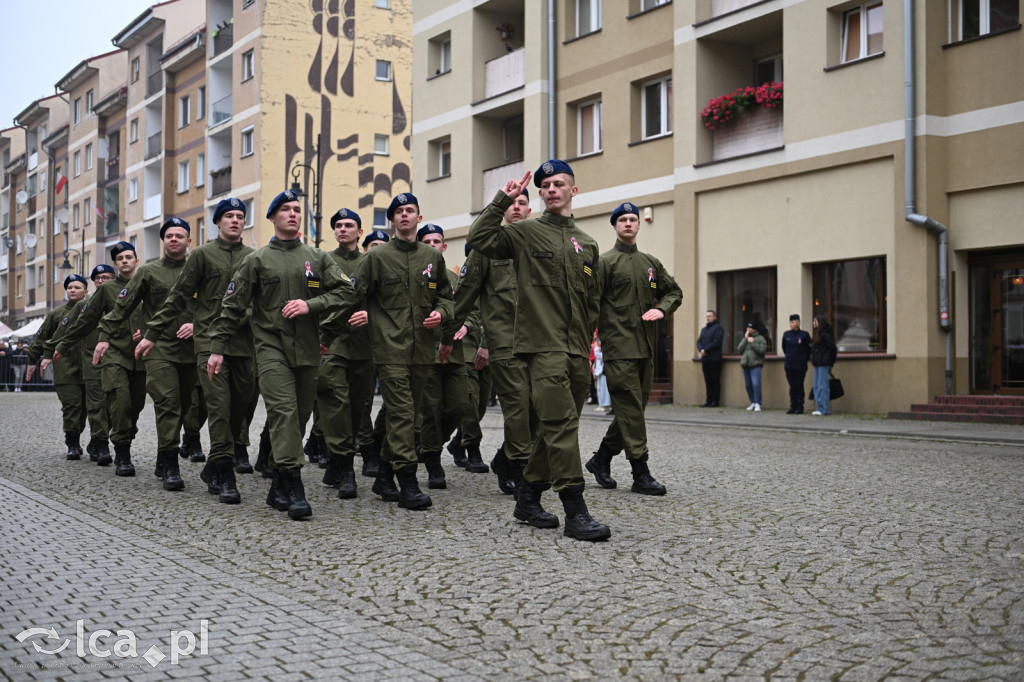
[(910, 209), (551, 79)]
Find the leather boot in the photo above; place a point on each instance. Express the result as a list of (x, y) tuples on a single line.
[(503, 470), (409, 495), (332, 474), (228, 488), (474, 463), (384, 485), (263, 456), (210, 475), (311, 449), (242, 465), (103, 457), (298, 507), (456, 450), (528, 508), (578, 523), (123, 459), (73, 440), (92, 449), (435, 472), (195, 448), (172, 476), (325, 455), (346, 478), (601, 466), (371, 458), (643, 482), (276, 496)]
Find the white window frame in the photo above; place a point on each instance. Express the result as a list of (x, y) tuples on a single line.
[(248, 139), (133, 189), (596, 103), (201, 103), (77, 111), (984, 19), (665, 110), (200, 170), (862, 13), (184, 179), (87, 211), (387, 66), (595, 17), (184, 111), (133, 130), (445, 56), (248, 65), (88, 157), (88, 103), (383, 4), (380, 145), (651, 4), (382, 215), (136, 69), (444, 158), (76, 218), (77, 163), (249, 213)]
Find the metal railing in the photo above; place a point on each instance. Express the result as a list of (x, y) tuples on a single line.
[(223, 40), (220, 181), (154, 145)]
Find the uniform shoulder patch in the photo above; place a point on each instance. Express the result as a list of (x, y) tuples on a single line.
[(463, 271), (231, 287), (64, 321), (124, 292)]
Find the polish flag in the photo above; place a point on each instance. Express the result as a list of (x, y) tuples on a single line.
[(61, 181)]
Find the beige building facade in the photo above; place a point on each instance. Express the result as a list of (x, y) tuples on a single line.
[(797, 203)]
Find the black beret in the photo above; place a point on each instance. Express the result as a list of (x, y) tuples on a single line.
[(344, 213), (376, 236), (121, 247), (401, 199), (225, 205), (175, 222), (281, 198), (429, 228), (76, 278), (100, 269), (549, 168)]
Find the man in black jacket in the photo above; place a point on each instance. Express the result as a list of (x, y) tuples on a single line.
[(709, 344), (796, 344)]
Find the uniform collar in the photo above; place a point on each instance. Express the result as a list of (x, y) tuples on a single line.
[(285, 244), (556, 219), (403, 245), (171, 263), (121, 278), (624, 248), (347, 254), (226, 245)]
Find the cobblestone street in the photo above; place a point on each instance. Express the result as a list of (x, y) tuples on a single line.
[(845, 548)]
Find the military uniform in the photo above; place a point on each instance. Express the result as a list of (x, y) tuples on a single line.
[(67, 379)]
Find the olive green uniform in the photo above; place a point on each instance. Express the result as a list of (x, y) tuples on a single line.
[(403, 283), (231, 395), (631, 283), (123, 378), (68, 383), (170, 365), (95, 400), (287, 350), (556, 313)]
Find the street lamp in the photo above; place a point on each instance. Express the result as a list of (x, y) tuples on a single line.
[(317, 189), (66, 265)]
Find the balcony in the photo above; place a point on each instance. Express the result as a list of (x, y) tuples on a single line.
[(113, 168), (720, 7), (220, 111), (5, 261), (495, 178), (32, 204), (151, 209), (32, 296), (220, 181), (223, 39), (505, 73), (154, 145), (755, 130), (154, 83)]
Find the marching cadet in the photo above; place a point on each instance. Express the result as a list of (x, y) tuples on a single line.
[(555, 318), (493, 282), (407, 298), (67, 376), (231, 393), (287, 285), (122, 378), (170, 371), (636, 292), (345, 383), (371, 432)]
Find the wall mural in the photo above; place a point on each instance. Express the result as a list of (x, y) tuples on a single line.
[(334, 22)]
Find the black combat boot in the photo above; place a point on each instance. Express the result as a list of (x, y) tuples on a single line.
[(311, 449), (242, 465), (92, 449), (346, 478), (73, 440), (332, 474), (384, 485), (276, 496), (123, 459), (456, 450), (409, 495), (371, 458), (298, 507), (435, 472), (103, 457), (474, 462), (325, 455), (643, 482), (263, 456), (210, 475), (195, 453), (228, 488), (578, 523), (528, 508), (502, 469), (172, 476), (601, 466)]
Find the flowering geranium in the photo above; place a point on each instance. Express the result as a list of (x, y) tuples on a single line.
[(769, 95), (721, 111)]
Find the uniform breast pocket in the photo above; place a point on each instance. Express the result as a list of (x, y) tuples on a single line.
[(270, 291), (623, 293), (546, 269), (503, 275), (393, 294)]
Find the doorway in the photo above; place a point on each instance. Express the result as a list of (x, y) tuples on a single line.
[(997, 322)]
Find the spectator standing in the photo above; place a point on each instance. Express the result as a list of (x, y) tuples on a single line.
[(823, 356), (709, 345), (753, 347), (796, 346)]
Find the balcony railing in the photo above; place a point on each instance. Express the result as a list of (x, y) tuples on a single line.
[(5, 261), (720, 7), (154, 144), (32, 296), (495, 178), (113, 168), (151, 209), (220, 111), (154, 83), (32, 204), (223, 40), (220, 181), (754, 130), (505, 73)]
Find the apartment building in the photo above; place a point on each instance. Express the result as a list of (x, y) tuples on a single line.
[(795, 199)]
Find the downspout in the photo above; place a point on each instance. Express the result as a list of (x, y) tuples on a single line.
[(910, 173), (551, 79)]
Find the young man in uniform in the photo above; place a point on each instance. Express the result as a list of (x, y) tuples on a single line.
[(371, 432), (231, 393), (796, 345), (170, 371), (555, 318), (287, 285), (122, 377), (709, 345), (345, 384), (407, 298), (636, 292)]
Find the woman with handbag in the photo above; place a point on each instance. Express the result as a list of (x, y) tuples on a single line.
[(823, 356)]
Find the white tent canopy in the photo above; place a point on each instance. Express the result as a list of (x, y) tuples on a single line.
[(29, 329)]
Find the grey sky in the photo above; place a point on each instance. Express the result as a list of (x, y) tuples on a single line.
[(44, 40)]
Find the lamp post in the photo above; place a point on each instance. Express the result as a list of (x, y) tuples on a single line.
[(66, 265), (317, 189)]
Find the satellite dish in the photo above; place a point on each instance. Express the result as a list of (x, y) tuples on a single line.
[(31, 240), (9, 242), (21, 197), (62, 216)]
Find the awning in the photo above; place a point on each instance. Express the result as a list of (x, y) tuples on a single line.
[(29, 329)]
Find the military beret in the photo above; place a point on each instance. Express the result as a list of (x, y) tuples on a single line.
[(468, 248), (376, 236), (429, 228), (794, 318), (525, 193), (76, 278), (549, 168), (344, 213), (100, 269), (225, 205), (121, 247), (175, 222), (623, 209), (281, 198), (401, 199)]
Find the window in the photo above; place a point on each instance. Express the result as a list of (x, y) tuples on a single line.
[(184, 111), (656, 108), (133, 189), (651, 4), (201, 103), (383, 70), (77, 165), (380, 144), (588, 16), (746, 296), (134, 130), (851, 295), (87, 210), (136, 69), (247, 143), (32, 181), (249, 212), (440, 157), (88, 157), (512, 138), (88, 103), (862, 32), (768, 70), (384, 4), (200, 170), (42, 181), (380, 218), (980, 17), (76, 217), (440, 54), (248, 65), (183, 176), (77, 115), (32, 226), (588, 127)]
